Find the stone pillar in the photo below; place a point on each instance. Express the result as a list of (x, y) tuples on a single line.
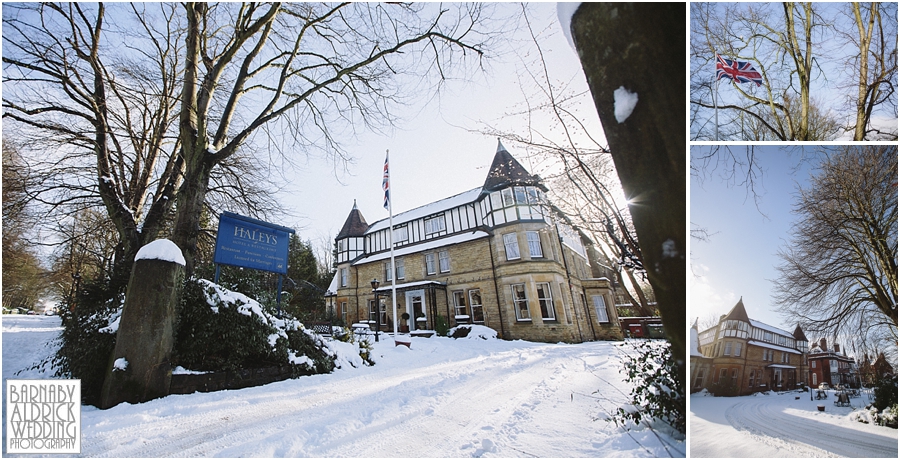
[(139, 369)]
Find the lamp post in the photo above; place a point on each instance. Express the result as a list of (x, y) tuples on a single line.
[(375, 284)]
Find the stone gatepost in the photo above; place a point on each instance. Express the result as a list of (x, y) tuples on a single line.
[(139, 370)]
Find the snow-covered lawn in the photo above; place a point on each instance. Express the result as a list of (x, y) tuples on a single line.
[(441, 398), (782, 426)]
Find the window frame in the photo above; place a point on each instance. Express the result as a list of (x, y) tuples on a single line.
[(597, 310), (444, 256), (520, 305), (344, 277), (473, 306), (546, 303), (430, 267), (463, 317), (531, 247), (431, 227), (511, 241)]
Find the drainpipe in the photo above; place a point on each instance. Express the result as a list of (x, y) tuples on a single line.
[(496, 287)]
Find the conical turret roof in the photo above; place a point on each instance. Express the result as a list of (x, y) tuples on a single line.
[(738, 312), (799, 335), (355, 225), (506, 171)]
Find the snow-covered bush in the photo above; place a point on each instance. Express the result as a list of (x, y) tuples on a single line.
[(651, 369), (221, 330), (472, 331)]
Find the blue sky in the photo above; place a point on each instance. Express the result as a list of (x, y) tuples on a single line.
[(434, 153), (740, 257)]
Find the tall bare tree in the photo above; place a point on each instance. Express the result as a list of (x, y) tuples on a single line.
[(95, 104), (839, 270)]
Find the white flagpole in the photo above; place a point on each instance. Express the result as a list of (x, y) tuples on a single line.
[(391, 236), (716, 101)]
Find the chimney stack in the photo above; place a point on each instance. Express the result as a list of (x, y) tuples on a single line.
[(823, 344), (837, 348)]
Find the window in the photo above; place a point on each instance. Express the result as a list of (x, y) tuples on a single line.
[(429, 264), (698, 381), (752, 374), (734, 376), (737, 349), (512, 246), (520, 302), (444, 260), (521, 197), (399, 266), (507, 197), (344, 312), (815, 379), (435, 224), (600, 308), (343, 277), (534, 244), (545, 300), (812, 364), (727, 348), (475, 305), (785, 357), (722, 373), (459, 307), (833, 365), (401, 234), (340, 245), (372, 312)]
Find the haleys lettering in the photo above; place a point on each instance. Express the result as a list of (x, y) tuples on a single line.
[(255, 235)]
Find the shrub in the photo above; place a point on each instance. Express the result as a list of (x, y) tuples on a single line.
[(655, 394), (440, 326), (886, 392), (220, 330)]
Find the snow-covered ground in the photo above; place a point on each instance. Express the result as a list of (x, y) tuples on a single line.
[(441, 398), (782, 426)]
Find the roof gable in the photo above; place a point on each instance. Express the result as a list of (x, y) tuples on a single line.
[(738, 312)]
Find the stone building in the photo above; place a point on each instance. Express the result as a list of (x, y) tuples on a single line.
[(746, 356), (831, 366), (497, 255)]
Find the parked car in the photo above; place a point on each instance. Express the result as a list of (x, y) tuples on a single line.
[(824, 386)]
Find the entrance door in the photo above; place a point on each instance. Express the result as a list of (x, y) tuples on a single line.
[(415, 306), (778, 378)]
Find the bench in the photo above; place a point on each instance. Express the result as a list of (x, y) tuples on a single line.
[(322, 328)]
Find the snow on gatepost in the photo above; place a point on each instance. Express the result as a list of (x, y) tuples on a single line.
[(120, 365), (565, 11), (161, 249)]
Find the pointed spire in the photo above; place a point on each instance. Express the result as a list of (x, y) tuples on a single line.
[(694, 326), (506, 171), (738, 312), (799, 335), (355, 225)]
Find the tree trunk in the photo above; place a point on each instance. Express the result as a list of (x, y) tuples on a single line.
[(640, 47)]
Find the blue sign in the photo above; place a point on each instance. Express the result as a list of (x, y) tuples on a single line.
[(251, 243)]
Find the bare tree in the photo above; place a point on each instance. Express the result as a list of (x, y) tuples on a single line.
[(96, 107), (585, 187), (313, 68), (839, 271), (874, 67)]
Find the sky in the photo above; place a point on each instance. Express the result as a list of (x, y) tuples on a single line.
[(740, 256), (829, 75), (434, 152)]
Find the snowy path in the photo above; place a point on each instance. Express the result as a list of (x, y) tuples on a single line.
[(442, 398), (782, 426)]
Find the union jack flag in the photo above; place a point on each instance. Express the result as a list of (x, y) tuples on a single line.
[(739, 72), (386, 184)]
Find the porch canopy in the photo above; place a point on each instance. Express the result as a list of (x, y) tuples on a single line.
[(430, 287)]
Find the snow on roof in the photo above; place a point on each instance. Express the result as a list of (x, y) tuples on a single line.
[(161, 249), (424, 246), (428, 209), (774, 329), (385, 288), (332, 288), (782, 366), (773, 347), (695, 343)]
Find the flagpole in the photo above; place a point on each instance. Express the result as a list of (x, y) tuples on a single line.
[(716, 102), (387, 154)]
